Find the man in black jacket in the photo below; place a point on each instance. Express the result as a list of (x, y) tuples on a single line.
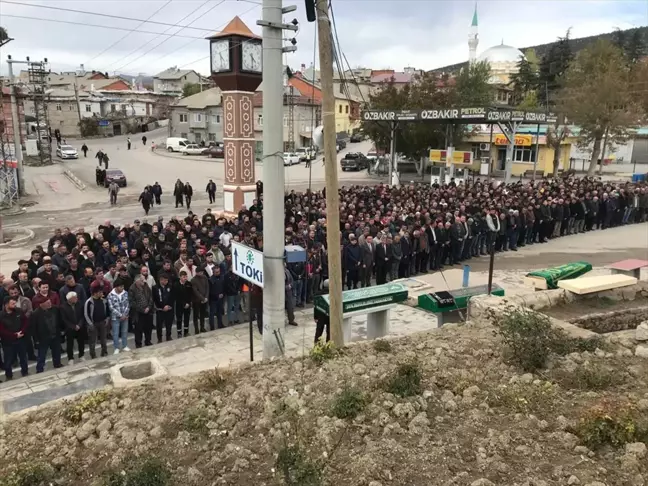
[(211, 191), (352, 262), (13, 327), (97, 315), (163, 297), (183, 294), (188, 193), (216, 298), (156, 190), (46, 327)]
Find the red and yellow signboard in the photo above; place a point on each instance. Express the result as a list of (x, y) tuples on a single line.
[(520, 140), (458, 157)]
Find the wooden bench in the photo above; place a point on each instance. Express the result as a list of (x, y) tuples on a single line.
[(631, 267)]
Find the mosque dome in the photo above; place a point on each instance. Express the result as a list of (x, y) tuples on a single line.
[(501, 54)]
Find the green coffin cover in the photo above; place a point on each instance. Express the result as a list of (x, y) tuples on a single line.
[(563, 272)]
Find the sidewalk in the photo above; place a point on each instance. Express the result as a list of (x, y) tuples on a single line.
[(180, 357)]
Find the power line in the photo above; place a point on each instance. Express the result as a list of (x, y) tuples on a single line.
[(129, 33), (216, 30), (25, 17), (165, 40), (97, 14)]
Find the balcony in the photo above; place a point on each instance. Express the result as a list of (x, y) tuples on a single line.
[(193, 123)]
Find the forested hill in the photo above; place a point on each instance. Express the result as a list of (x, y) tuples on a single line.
[(575, 44)]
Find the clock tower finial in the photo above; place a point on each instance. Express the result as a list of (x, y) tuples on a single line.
[(473, 38)]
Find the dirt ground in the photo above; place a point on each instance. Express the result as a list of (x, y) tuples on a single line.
[(581, 308), (472, 419)]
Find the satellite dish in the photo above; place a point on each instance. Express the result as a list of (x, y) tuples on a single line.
[(318, 137)]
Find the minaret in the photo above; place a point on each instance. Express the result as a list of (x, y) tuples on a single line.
[(473, 38)]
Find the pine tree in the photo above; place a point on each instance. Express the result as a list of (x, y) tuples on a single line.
[(635, 48), (553, 66), (619, 39), (524, 81)]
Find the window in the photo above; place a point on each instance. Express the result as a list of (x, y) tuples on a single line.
[(183, 135), (123, 107), (346, 109), (88, 108), (184, 118), (58, 107), (211, 137), (341, 88), (524, 154), (285, 121), (113, 108), (197, 117), (340, 109), (32, 109), (260, 120), (215, 119), (72, 107)]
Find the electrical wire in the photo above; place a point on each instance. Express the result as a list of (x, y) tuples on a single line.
[(129, 33), (97, 26), (256, 5), (174, 35), (97, 14)]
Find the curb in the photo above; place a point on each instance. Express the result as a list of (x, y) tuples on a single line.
[(12, 212), (18, 241), (74, 180)]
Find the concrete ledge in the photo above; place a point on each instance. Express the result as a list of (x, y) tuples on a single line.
[(19, 236), (74, 180), (136, 372)]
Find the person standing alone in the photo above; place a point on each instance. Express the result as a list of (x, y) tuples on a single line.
[(113, 190), (211, 191)]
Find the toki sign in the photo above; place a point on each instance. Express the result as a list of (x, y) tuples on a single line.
[(460, 115)]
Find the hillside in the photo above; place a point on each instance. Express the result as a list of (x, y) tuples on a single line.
[(440, 408), (541, 49)]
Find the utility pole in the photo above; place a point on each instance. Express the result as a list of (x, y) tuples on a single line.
[(274, 297), (15, 121), (331, 175)]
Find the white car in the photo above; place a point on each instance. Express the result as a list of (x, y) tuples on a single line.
[(193, 149), (67, 152), (290, 158)]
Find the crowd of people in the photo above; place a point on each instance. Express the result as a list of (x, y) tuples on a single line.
[(154, 278)]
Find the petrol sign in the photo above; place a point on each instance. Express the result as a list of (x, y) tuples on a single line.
[(247, 263)]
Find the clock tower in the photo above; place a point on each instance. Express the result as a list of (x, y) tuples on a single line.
[(236, 68)]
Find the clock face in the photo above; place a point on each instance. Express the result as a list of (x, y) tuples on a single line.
[(252, 56), (220, 56)]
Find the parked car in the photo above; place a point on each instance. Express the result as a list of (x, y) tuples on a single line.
[(305, 154), (290, 159), (216, 152), (342, 144), (67, 152), (354, 161), (194, 149), (355, 138), (372, 155), (176, 144), (115, 175)]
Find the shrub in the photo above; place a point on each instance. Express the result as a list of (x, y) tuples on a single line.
[(406, 381), (195, 420), (142, 471), (530, 338), (610, 423), (73, 412), (524, 397), (28, 475), (323, 351), (297, 468), (382, 346), (216, 379), (349, 403), (593, 377)]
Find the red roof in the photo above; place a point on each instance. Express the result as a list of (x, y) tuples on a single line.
[(235, 27), (399, 78)]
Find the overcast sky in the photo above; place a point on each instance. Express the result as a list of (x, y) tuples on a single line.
[(372, 33)]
